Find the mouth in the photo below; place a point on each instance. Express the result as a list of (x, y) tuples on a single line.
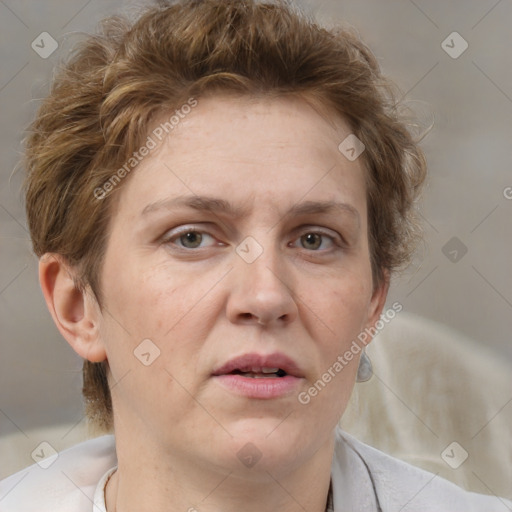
[(260, 373), (260, 376), (253, 365)]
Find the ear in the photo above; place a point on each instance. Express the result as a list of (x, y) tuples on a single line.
[(378, 300), (75, 313)]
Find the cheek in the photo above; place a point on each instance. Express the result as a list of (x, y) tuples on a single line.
[(165, 307), (174, 309), (176, 303), (344, 305), (152, 300)]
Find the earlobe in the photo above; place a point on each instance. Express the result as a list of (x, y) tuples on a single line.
[(75, 312)]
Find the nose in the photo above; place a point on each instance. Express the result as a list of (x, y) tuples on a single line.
[(261, 293)]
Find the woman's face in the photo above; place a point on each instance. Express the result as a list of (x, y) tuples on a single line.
[(242, 235)]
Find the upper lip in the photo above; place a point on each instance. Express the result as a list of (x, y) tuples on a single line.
[(249, 362)]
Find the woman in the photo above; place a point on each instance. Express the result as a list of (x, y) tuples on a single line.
[(218, 195)]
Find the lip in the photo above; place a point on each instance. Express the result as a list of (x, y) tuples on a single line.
[(262, 388), (251, 360)]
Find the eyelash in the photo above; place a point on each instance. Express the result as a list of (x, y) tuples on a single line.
[(171, 237)]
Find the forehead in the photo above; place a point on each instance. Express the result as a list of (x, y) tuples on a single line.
[(258, 150), (236, 124)]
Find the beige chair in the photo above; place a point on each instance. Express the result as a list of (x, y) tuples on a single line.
[(431, 388), (437, 397)]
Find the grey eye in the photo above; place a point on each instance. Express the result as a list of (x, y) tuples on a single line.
[(311, 241), (191, 239)]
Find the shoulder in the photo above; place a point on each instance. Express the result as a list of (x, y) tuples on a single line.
[(401, 486), (65, 482)]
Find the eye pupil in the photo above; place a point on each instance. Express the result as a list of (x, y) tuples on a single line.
[(191, 239), (312, 240)]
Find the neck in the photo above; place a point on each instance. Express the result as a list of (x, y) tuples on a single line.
[(178, 484)]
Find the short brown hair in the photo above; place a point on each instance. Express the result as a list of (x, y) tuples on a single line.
[(119, 80)]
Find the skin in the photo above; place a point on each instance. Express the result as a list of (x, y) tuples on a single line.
[(177, 430)]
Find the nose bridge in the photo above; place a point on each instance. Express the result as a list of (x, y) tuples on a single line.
[(262, 291), (264, 271)]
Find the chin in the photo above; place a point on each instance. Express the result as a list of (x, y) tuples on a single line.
[(269, 443)]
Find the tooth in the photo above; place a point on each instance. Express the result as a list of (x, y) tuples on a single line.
[(269, 370), (259, 375)]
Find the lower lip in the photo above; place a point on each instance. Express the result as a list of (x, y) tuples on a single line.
[(272, 387)]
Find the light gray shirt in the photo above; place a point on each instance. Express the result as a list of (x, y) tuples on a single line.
[(363, 479)]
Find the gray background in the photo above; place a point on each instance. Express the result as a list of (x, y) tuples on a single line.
[(469, 152)]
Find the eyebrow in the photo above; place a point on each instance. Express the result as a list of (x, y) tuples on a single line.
[(200, 203), (217, 205)]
